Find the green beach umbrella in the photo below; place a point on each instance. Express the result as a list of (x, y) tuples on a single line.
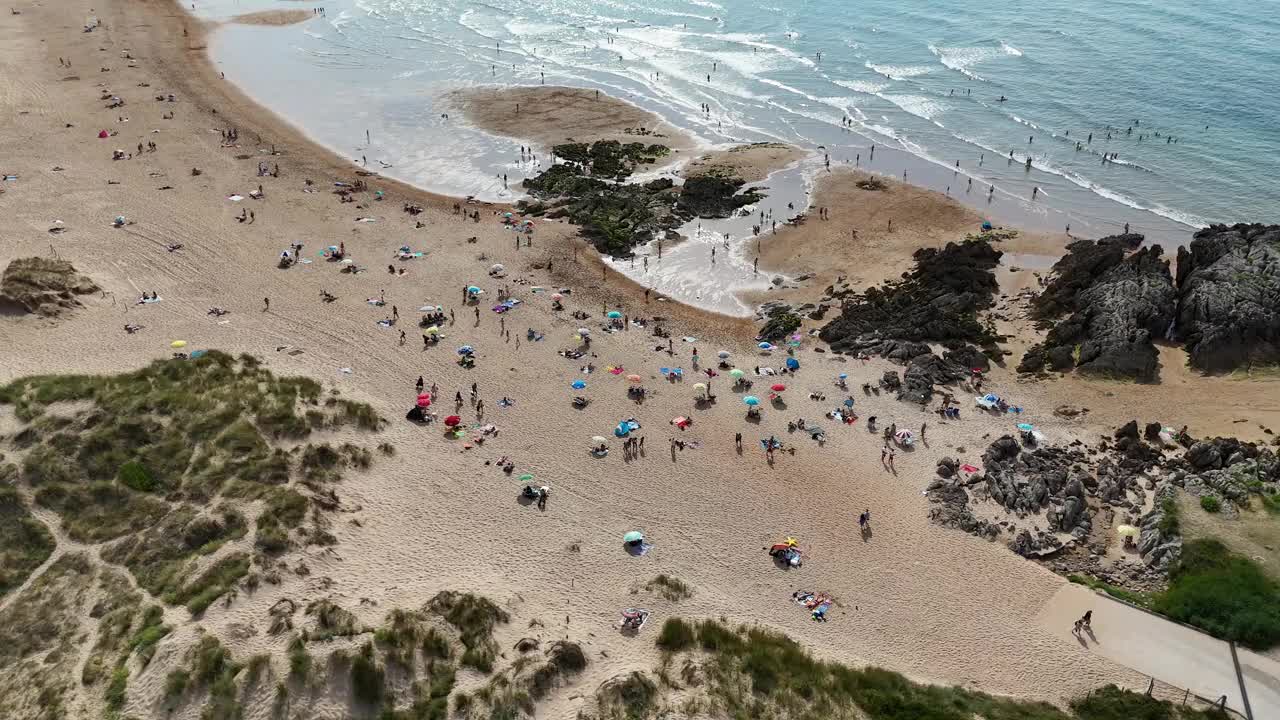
[(634, 536), (527, 477)]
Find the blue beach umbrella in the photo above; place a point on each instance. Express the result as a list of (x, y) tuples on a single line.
[(614, 315), (578, 384), (751, 400)]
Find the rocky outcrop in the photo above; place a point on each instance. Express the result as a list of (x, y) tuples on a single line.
[(714, 196), (1159, 541), (1228, 312), (1111, 322), (938, 301), (42, 286)]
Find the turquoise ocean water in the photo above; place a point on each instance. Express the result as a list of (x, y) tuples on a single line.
[(920, 80)]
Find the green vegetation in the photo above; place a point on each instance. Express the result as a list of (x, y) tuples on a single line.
[(1113, 703), (39, 640), (633, 697), (1210, 503), (117, 689), (676, 635), (670, 588), (1129, 596), (139, 457), (1225, 594), (609, 159), (1170, 522), (332, 621), (475, 618), (25, 543), (751, 672), (299, 658), (779, 326), (367, 677)]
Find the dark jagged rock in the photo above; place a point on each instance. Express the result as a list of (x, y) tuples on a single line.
[(890, 380), (1229, 296), (1113, 320), (609, 158), (1084, 263), (781, 323), (43, 286), (969, 357), (938, 301), (925, 371)]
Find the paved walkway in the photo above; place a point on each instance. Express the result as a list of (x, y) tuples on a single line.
[(1165, 650)]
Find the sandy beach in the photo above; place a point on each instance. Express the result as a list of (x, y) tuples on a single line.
[(938, 605), (273, 17)]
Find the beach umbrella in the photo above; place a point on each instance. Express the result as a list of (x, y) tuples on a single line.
[(1026, 427), (1127, 531), (904, 436), (424, 400), (526, 478), (633, 537), (793, 364), (178, 344), (736, 373), (348, 261), (778, 387), (765, 346), (700, 387), (751, 400), (584, 332), (465, 350), (557, 296), (723, 354), (614, 315), (496, 267), (578, 384), (473, 290), (598, 440), (843, 376), (635, 379), (433, 330), (452, 421)]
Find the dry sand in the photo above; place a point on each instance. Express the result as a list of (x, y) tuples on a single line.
[(549, 115), (749, 162), (933, 603), (273, 17)]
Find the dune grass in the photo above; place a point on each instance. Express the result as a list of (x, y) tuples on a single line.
[(25, 543), (752, 672), (475, 617), (669, 588)]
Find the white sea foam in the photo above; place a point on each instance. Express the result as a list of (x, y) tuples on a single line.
[(963, 59), (862, 86), (918, 105), (899, 72)]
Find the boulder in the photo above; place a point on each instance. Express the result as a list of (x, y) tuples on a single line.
[(42, 286), (1228, 311)]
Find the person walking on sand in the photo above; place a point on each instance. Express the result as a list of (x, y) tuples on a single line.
[(420, 383), (892, 469), (864, 520), (923, 425), (737, 441), (1087, 620), (884, 456), (266, 304)]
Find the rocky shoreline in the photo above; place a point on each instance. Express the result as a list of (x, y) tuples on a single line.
[(1108, 303), (1061, 505)]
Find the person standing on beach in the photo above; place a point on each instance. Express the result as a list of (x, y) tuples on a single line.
[(266, 304)]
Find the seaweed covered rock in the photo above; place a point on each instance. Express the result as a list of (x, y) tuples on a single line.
[(1228, 312), (714, 196), (1113, 320), (587, 190), (609, 158), (938, 301), (42, 286)]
